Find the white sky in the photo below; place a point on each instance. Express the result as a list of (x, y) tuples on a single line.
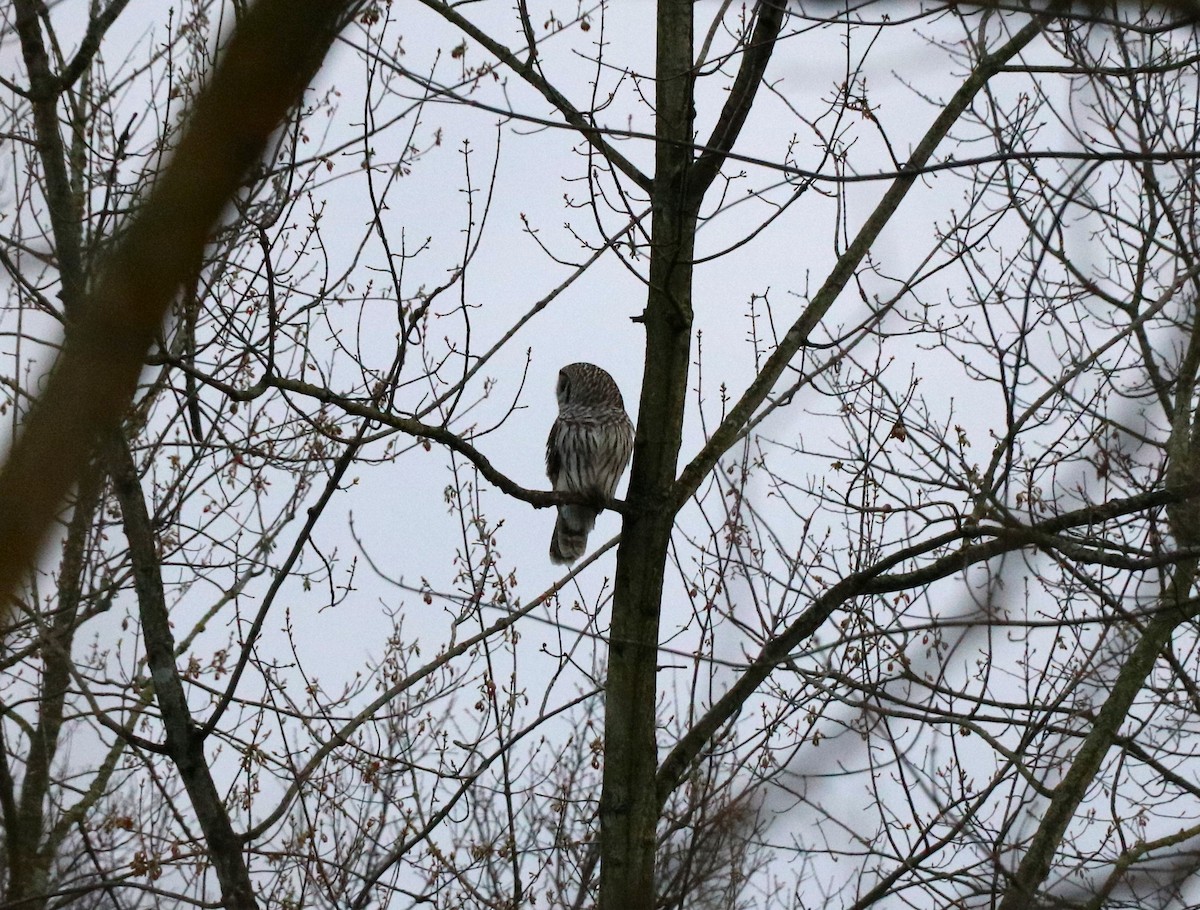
[(398, 509)]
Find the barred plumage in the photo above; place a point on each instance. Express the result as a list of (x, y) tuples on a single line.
[(587, 451)]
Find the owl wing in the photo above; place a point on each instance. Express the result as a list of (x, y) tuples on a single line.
[(553, 456)]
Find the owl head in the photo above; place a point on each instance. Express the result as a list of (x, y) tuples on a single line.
[(586, 385)]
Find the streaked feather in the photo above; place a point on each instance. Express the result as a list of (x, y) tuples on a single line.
[(587, 451)]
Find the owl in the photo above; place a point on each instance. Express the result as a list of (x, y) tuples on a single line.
[(588, 449)]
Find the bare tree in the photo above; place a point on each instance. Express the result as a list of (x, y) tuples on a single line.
[(903, 605)]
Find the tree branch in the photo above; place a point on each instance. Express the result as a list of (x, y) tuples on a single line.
[(276, 51), (527, 71), (1035, 865), (61, 204), (755, 58), (876, 579), (185, 744), (90, 44), (726, 434), (539, 499)]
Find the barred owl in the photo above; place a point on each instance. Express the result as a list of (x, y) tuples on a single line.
[(588, 449)]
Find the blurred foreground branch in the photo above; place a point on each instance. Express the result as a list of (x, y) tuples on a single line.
[(276, 50)]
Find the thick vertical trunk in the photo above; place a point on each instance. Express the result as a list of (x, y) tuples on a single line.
[(629, 807)]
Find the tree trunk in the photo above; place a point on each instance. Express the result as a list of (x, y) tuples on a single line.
[(628, 805)]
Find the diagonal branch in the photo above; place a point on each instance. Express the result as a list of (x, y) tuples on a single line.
[(301, 774), (986, 542), (726, 434), (61, 204), (97, 27), (527, 71), (1177, 607), (276, 51), (185, 744), (418, 429), (755, 58)]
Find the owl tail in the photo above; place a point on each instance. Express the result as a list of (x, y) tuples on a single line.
[(571, 533)]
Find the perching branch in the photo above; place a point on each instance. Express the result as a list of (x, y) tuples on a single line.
[(418, 429)]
